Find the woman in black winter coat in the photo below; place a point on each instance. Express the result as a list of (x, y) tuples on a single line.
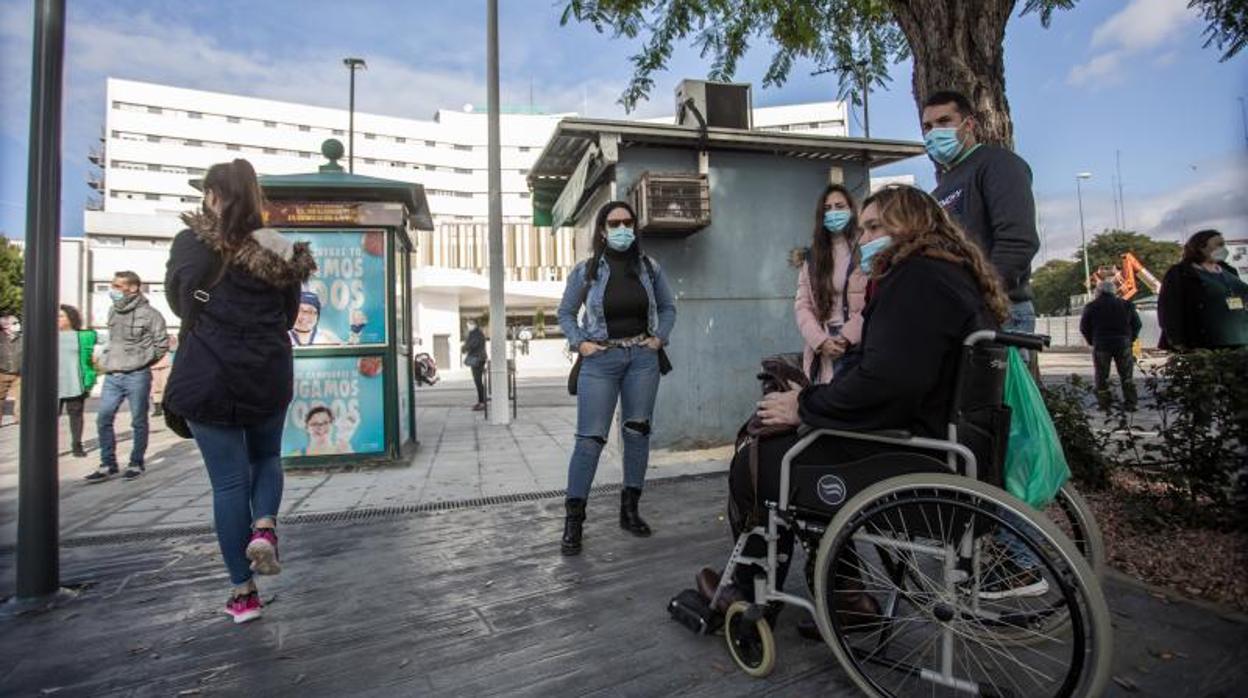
[(1203, 303), (235, 285)]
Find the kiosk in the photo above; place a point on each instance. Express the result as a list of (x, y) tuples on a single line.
[(354, 400)]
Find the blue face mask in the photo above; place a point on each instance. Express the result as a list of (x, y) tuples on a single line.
[(116, 295), (620, 239), (868, 251), (943, 144), (834, 221)]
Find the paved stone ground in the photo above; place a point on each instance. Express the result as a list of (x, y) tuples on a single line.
[(461, 457), (477, 601)]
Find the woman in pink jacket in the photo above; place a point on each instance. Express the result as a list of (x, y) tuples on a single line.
[(831, 289)]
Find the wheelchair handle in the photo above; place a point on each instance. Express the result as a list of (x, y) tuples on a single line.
[(1022, 340)]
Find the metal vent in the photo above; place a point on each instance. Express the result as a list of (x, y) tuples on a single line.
[(672, 203)]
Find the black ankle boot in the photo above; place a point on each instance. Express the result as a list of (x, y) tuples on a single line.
[(630, 520), (571, 544)]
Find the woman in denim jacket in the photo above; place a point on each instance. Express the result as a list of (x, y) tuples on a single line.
[(628, 316)]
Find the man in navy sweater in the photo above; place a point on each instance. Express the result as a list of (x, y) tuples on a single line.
[(1111, 325), (987, 190)]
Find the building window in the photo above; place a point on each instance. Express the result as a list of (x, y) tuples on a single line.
[(524, 195), (153, 139), (431, 144), (396, 163), (270, 124), (152, 197), (194, 143), (400, 139), (463, 170), (337, 132), (525, 148), (370, 161), (305, 128), (270, 151), (305, 155), (463, 147), (370, 136), (194, 115), (233, 119), (153, 168), (155, 110), (233, 146)]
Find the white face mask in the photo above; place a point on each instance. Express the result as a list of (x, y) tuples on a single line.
[(1220, 254)]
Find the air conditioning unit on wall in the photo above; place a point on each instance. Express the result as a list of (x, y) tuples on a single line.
[(675, 204)]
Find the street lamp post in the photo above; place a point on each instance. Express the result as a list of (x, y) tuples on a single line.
[(352, 64), (1083, 236)]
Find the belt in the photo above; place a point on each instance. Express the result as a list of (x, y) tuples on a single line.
[(625, 342)]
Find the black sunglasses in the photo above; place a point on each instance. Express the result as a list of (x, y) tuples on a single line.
[(625, 223)]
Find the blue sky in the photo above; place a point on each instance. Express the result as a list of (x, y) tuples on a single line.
[(1106, 76)]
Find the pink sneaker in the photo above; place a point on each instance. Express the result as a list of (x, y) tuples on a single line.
[(245, 608), (262, 551)]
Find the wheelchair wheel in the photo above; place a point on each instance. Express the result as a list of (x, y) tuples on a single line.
[(749, 637), (1071, 513), (904, 591)]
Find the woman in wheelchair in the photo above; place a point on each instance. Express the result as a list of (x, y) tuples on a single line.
[(933, 288)]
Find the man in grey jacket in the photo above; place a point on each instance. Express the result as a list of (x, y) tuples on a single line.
[(137, 338), (11, 365), (987, 190)]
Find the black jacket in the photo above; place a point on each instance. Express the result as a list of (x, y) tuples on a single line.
[(1110, 323), (989, 195), (474, 347), (915, 322), (1182, 312), (234, 365)]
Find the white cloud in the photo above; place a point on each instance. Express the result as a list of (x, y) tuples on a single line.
[(1142, 26)]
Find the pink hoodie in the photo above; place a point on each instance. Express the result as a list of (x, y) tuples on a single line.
[(814, 333)]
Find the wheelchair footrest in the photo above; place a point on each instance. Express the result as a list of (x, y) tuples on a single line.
[(692, 611)]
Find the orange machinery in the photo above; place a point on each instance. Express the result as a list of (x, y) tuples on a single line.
[(1126, 276)]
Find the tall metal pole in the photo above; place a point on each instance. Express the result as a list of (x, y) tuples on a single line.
[(866, 104), (1083, 237), (353, 64), (38, 564), (351, 127), (500, 412)]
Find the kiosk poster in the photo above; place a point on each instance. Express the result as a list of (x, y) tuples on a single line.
[(339, 407), (345, 300)]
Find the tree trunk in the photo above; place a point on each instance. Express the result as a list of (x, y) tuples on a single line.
[(958, 45)]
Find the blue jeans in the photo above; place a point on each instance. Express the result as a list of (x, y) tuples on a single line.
[(1022, 319), (245, 468), (629, 375), (134, 387)]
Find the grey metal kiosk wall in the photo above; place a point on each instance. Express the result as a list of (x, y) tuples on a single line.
[(354, 397), (732, 279), (733, 283)]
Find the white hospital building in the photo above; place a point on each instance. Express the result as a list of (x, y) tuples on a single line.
[(156, 138)]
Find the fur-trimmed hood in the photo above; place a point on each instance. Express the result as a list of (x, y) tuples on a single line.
[(266, 254)]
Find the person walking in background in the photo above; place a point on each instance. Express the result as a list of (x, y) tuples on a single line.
[(473, 350), (160, 376), (987, 191), (629, 314), (236, 287), (11, 365), (825, 301), (137, 338), (1203, 303), (75, 372), (1110, 325)]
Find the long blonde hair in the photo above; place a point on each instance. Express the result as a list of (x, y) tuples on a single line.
[(921, 227)]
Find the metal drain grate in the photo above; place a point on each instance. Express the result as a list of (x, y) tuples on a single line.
[(355, 515)]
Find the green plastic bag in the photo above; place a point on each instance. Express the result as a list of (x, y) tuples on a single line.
[(1035, 466)]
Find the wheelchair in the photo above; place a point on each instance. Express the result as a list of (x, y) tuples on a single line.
[(921, 531)]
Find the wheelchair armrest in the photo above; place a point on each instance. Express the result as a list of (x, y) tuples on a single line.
[(891, 433), (1022, 340)]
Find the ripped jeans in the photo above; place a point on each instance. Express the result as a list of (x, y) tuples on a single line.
[(629, 376)]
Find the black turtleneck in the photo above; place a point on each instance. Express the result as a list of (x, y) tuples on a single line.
[(625, 303)]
